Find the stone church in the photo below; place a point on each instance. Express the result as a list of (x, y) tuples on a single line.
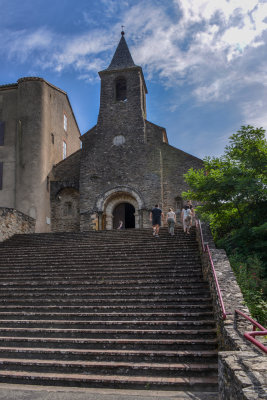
[(124, 167)]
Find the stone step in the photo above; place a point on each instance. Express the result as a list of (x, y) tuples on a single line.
[(161, 268), (83, 300), (87, 288), (102, 278), (148, 241), (102, 243), (12, 253), (109, 368), (115, 381), (102, 235), (65, 262), (199, 356), (123, 268), (21, 314), (84, 294), (81, 305), (196, 323), (110, 333), (145, 291), (104, 247), (182, 306), (101, 284), (110, 343), (107, 316)]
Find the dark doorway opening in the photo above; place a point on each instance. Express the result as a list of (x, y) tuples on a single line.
[(124, 212)]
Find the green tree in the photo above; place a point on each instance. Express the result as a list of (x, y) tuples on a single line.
[(233, 192)]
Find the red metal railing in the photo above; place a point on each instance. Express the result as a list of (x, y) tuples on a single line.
[(250, 335), (205, 249)]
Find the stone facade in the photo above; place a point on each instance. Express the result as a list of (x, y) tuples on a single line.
[(242, 367), (37, 119), (13, 221), (124, 159)]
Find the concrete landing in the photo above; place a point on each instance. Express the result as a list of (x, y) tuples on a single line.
[(28, 392)]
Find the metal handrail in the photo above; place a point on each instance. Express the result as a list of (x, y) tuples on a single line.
[(206, 249), (250, 335)]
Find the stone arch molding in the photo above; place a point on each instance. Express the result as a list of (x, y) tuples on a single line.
[(106, 204), (119, 192)]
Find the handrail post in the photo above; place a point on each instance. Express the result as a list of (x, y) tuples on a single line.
[(205, 249), (251, 335)]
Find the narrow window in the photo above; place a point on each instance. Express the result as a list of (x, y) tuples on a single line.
[(121, 89), (2, 133), (65, 123), (1, 175), (68, 210), (64, 150), (52, 138), (47, 183)]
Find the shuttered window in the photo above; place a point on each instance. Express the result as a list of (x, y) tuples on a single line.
[(65, 123), (1, 175), (2, 133), (64, 150)]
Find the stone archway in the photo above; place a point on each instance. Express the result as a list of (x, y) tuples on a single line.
[(107, 203), (113, 201)]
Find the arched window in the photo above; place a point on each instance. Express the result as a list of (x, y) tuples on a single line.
[(121, 89)]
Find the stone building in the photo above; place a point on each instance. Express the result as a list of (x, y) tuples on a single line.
[(37, 130), (125, 165)]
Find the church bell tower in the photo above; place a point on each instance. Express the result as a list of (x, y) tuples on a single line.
[(123, 97)]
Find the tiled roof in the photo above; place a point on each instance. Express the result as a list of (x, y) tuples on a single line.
[(122, 57)]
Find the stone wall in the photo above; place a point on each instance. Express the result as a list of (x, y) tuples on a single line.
[(65, 211), (242, 376), (13, 221), (240, 363)]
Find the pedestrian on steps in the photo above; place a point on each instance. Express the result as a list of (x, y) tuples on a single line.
[(171, 220), (186, 216), (120, 226), (155, 217)]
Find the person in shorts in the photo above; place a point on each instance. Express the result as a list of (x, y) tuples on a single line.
[(155, 217)]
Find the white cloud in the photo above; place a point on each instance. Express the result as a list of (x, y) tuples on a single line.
[(198, 43), (21, 44), (254, 113)]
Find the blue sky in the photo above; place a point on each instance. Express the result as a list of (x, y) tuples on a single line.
[(204, 61)]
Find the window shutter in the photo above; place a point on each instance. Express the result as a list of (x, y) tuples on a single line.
[(2, 132), (1, 175)]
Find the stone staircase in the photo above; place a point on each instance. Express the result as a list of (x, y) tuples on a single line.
[(110, 309)]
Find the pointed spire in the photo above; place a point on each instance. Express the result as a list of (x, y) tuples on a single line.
[(122, 57)]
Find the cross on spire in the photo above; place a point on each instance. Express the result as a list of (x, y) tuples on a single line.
[(122, 32)]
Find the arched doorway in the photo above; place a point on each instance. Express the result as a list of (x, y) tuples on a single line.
[(124, 212), (107, 202)]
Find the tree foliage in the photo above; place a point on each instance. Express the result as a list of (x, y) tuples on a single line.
[(233, 188), (232, 191)]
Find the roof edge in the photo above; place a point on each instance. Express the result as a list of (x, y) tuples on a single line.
[(36, 78)]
